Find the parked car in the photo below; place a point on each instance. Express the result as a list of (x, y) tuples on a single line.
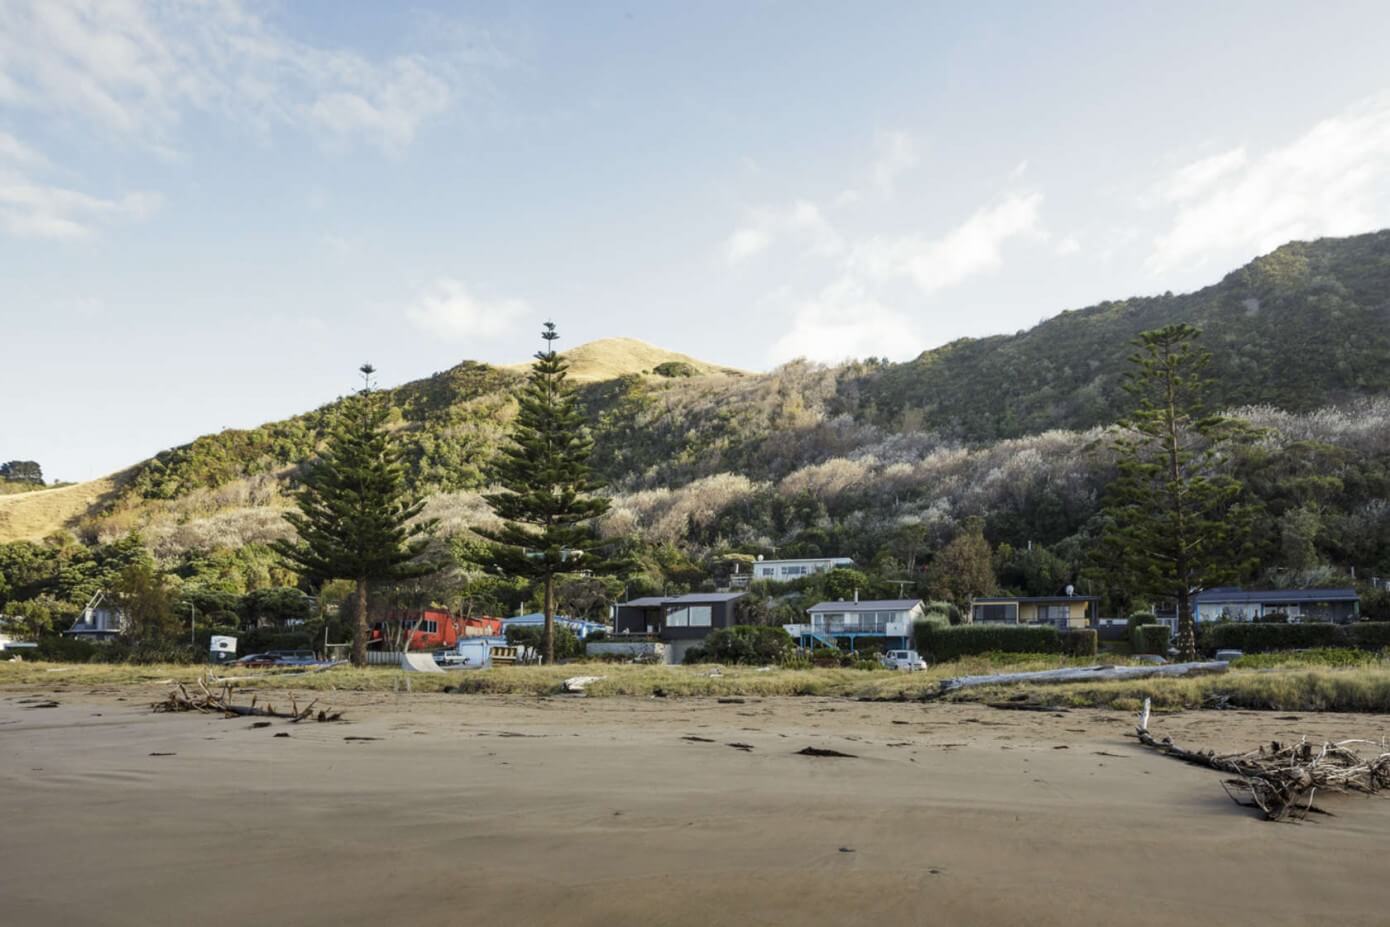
[(907, 660)]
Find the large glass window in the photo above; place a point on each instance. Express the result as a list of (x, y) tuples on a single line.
[(692, 616), (1005, 611)]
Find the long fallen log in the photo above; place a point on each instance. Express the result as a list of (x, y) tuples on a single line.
[(1084, 674), (1283, 779)]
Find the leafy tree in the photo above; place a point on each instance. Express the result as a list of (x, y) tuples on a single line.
[(1176, 525), (546, 502), (1033, 570), (141, 594), (21, 471), (964, 568), (356, 520)]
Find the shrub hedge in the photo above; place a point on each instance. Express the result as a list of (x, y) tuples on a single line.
[(1258, 636), (753, 645), (1080, 642), (967, 640), (1150, 638)]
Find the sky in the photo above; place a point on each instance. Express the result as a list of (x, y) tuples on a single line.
[(211, 213)]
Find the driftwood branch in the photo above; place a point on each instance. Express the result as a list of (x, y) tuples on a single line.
[(1084, 674), (1283, 779), (210, 702)]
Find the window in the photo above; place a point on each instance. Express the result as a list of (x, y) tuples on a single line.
[(1006, 612), (793, 570), (1051, 614), (693, 616)]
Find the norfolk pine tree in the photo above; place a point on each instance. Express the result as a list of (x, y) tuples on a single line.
[(355, 515), (1176, 526), (546, 501)]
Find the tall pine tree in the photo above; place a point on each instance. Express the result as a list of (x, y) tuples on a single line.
[(1175, 523), (356, 518), (546, 501)]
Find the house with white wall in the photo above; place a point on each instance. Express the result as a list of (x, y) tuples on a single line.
[(887, 620), (785, 571)]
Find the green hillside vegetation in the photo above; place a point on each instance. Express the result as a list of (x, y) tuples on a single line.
[(886, 463)]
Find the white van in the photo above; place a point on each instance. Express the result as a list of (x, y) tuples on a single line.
[(907, 660)]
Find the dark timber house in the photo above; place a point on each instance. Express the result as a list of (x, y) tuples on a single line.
[(679, 622)]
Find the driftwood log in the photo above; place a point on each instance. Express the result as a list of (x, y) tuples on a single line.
[(1282, 780), (1084, 674), (210, 702)]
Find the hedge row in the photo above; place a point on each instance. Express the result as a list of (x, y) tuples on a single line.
[(1260, 636), (1080, 642), (1150, 638), (949, 643)]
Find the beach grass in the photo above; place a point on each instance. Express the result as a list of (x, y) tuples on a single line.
[(1291, 687)]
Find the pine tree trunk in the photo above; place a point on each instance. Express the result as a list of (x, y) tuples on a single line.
[(359, 632), (549, 619), (1187, 632)]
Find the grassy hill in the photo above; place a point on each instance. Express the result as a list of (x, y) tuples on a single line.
[(1304, 327)]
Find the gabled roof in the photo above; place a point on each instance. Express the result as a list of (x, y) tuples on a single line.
[(1263, 596), (867, 605), (693, 598), (991, 599)]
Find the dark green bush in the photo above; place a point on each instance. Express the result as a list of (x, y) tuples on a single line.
[(63, 649), (696, 654), (1080, 642), (753, 645), (1150, 638), (260, 640), (1257, 637), (971, 639), (125, 650), (568, 646), (1372, 635)]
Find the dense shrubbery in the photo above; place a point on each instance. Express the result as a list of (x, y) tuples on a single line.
[(65, 649), (745, 644), (1080, 642), (1150, 638), (568, 646), (970, 639), (1255, 637)]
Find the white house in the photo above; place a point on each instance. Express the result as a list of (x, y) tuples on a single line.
[(830, 622), (784, 571)]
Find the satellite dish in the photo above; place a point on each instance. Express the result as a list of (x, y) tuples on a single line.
[(1071, 590), (760, 558)]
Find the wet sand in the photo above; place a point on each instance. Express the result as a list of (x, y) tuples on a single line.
[(451, 809)]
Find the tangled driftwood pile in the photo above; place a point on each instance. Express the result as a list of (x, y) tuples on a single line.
[(207, 701), (1283, 779)]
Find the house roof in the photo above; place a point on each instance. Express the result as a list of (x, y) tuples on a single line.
[(991, 599), (804, 560), (651, 601), (867, 605), (693, 598), (1264, 596)]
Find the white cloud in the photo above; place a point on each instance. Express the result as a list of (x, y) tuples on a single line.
[(843, 321), (897, 154), (973, 247), (16, 152), (137, 69), (451, 312), (1199, 176), (802, 222), (1068, 246), (1332, 180), (31, 209)]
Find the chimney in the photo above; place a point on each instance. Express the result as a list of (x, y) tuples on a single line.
[(856, 593)]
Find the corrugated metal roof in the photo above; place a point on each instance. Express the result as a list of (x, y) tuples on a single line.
[(651, 601), (696, 597), (989, 599), (867, 605), (1276, 596)]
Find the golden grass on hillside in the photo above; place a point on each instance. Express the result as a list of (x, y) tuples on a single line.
[(33, 516), (609, 358)]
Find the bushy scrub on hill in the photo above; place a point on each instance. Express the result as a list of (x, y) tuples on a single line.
[(743, 644)]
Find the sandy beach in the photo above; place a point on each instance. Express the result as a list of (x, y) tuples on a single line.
[(445, 809)]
